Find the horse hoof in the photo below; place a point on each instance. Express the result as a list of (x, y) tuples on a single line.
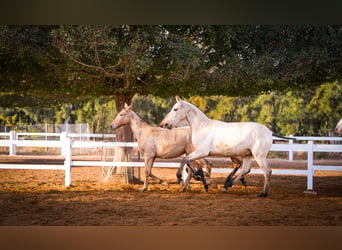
[(224, 190), (262, 195), (198, 177), (165, 184), (244, 183), (143, 190)]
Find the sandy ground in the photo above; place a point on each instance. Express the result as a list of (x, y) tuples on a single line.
[(39, 197)]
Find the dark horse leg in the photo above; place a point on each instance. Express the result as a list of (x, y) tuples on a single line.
[(245, 169), (198, 173), (229, 180), (200, 176)]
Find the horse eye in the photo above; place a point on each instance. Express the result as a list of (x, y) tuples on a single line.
[(175, 109)]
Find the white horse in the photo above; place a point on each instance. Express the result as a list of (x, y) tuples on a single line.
[(338, 128), (237, 161), (216, 138), (156, 142)]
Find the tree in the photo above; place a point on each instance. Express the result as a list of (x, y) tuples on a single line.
[(164, 60), (123, 60), (247, 60), (325, 107), (291, 114), (117, 61), (28, 65)]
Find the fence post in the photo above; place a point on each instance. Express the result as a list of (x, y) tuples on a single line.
[(67, 143), (62, 138), (291, 151), (310, 166), (13, 146)]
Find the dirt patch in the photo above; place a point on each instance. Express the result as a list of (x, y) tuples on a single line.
[(38, 197)]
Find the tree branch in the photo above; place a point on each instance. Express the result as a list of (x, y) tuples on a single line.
[(63, 50)]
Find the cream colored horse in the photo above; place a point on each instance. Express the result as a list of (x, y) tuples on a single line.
[(237, 162), (156, 142), (216, 138), (338, 128)]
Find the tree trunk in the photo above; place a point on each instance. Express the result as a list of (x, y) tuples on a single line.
[(124, 134)]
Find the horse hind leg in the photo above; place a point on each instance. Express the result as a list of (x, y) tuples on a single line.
[(148, 173), (237, 163), (262, 162), (159, 180), (245, 169), (146, 180), (229, 180)]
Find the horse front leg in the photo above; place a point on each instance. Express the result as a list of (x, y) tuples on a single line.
[(179, 173), (148, 167), (187, 174), (199, 175), (181, 169), (208, 166), (205, 164), (185, 185)]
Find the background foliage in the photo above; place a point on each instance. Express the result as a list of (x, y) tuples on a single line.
[(286, 77), (312, 112)]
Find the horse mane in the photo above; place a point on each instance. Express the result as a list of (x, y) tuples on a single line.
[(198, 111), (139, 117)]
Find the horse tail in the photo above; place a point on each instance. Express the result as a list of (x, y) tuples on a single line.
[(284, 137)]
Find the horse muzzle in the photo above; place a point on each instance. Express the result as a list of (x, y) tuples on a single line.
[(166, 125)]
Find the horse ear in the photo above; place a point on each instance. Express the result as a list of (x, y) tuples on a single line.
[(128, 107), (178, 99)]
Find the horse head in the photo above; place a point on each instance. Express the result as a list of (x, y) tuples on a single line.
[(177, 117), (122, 117), (338, 128)]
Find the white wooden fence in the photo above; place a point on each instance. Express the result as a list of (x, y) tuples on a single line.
[(14, 139), (66, 144)]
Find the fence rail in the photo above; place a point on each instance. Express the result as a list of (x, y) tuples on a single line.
[(14, 140), (67, 144)]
